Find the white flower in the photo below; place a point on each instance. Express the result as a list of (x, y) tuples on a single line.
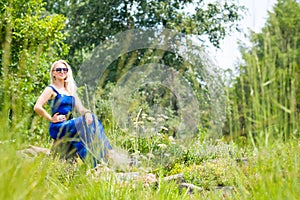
[(163, 146)]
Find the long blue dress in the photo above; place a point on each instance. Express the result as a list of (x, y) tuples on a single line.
[(85, 139)]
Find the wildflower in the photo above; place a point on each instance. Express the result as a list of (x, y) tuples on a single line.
[(163, 146)]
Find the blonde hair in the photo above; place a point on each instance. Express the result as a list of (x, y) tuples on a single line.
[(70, 84)]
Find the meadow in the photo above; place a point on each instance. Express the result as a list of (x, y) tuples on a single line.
[(253, 153)]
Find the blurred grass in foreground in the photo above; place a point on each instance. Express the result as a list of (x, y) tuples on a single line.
[(271, 172)]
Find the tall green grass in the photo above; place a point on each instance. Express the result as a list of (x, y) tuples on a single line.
[(264, 102)]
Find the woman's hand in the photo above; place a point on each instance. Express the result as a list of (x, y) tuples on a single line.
[(58, 118), (88, 118)]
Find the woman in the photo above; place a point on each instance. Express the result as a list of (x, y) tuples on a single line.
[(83, 135)]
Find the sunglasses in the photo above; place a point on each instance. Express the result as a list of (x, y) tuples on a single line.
[(61, 69)]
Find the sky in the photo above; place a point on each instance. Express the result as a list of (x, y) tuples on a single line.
[(228, 54)]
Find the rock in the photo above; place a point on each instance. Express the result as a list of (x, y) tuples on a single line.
[(33, 151), (190, 188), (177, 177), (101, 171), (147, 179)]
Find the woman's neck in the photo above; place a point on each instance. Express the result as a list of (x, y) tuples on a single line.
[(59, 84)]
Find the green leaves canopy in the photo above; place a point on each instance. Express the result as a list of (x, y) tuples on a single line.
[(92, 21)]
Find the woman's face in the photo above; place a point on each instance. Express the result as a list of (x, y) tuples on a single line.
[(60, 71)]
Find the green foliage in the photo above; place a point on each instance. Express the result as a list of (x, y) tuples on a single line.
[(91, 22), (264, 102), (271, 172), (200, 152), (30, 41), (24, 178), (210, 174)]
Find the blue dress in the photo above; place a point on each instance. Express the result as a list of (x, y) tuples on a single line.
[(83, 138)]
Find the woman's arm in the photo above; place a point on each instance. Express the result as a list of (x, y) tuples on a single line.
[(82, 110), (79, 106), (39, 106)]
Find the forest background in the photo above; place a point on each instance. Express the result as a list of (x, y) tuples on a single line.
[(250, 115)]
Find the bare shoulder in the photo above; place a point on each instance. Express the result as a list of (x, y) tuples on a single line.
[(48, 93)]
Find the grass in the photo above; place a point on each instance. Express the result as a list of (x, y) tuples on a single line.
[(270, 172), (263, 114)]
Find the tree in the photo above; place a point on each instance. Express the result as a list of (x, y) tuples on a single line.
[(30, 40), (91, 21)]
